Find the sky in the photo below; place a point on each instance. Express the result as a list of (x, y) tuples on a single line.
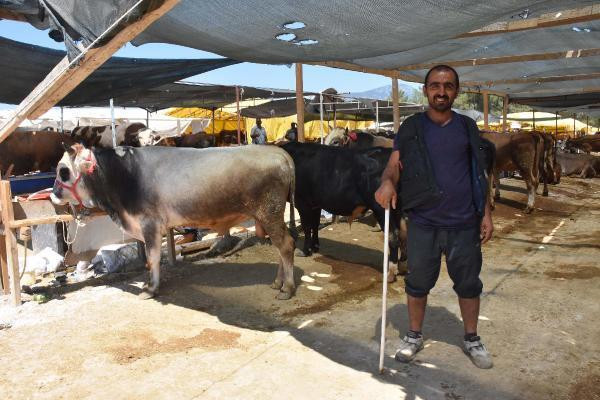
[(249, 74)]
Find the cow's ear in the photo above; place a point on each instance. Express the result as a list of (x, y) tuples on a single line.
[(75, 149)]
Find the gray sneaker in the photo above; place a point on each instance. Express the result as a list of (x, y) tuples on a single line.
[(409, 347), (478, 353)]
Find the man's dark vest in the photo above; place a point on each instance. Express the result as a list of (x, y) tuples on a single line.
[(418, 185)]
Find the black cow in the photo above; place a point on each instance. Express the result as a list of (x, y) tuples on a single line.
[(150, 189), (341, 181)]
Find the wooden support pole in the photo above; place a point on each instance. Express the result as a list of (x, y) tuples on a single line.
[(395, 105), (12, 255), (171, 246), (504, 112), (574, 128), (486, 109), (213, 120), (556, 124), (587, 124), (4, 265), (533, 114), (63, 79), (237, 107), (300, 102)]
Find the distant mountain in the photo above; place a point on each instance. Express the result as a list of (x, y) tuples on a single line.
[(384, 92)]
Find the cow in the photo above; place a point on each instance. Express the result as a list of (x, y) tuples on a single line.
[(516, 152), (101, 136), (29, 151), (580, 165), (356, 139), (587, 144), (548, 171), (343, 182), (198, 140), (147, 190)]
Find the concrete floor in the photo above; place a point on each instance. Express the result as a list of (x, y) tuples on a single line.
[(217, 332)]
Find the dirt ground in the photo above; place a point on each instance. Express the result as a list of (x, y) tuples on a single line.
[(217, 331)]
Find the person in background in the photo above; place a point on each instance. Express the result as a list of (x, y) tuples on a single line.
[(292, 133), (258, 133)]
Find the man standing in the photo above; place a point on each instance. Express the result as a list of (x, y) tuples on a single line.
[(292, 133), (438, 159), (258, 133)]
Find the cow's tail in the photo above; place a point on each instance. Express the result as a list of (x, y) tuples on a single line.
[(291, 197)]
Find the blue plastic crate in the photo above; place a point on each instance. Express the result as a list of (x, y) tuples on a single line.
[(31, 183)]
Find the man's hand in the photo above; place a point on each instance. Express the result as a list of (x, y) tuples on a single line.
[(487, 226), (386, 194)]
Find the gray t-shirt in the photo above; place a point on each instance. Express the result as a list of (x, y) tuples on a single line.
[(258, 135)]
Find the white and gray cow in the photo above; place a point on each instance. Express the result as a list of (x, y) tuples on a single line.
[(150, 189), (101, 136)]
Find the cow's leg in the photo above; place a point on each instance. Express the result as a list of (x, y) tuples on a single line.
[(315, 222), (152, 240), (306, 221), (393, 241), (543, 172), (531, 189), (496, 185), (284, 242)]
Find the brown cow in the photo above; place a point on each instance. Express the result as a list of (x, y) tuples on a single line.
[(517, 152), (580, 165), (548, 170), (587, 144), (29, 151), (198, 140)]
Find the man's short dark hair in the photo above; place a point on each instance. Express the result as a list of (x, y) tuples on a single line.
[(442, 67)]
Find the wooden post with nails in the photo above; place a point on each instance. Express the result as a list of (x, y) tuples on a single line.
[(10, 242)]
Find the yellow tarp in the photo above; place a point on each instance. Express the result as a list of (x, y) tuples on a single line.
[(543, 122), (275, 127)]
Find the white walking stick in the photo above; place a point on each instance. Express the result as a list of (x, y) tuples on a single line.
[(386, 234)]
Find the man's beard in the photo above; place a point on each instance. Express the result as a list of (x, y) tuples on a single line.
[(441, 107)]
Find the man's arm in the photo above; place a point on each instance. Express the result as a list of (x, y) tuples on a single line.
[(386, 193), (487, 226)]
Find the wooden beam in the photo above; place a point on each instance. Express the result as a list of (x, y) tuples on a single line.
[(4, 265), (472, 62), (237, 113), (171, 247), (10, 240), (478, 90), (63, 79), (504, 112), (549, 20), (486, 109), (300, 102), (540, 79), (390, 73), (395, 105), (559, 92)]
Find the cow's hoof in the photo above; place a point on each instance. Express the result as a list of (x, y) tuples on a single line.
[(301, 253), (375, 229), (545, 194), (147, 294), (528, 210), (315, 249), (284, 296), (276, 284)]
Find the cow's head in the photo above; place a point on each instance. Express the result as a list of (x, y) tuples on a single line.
[(69, 187)]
